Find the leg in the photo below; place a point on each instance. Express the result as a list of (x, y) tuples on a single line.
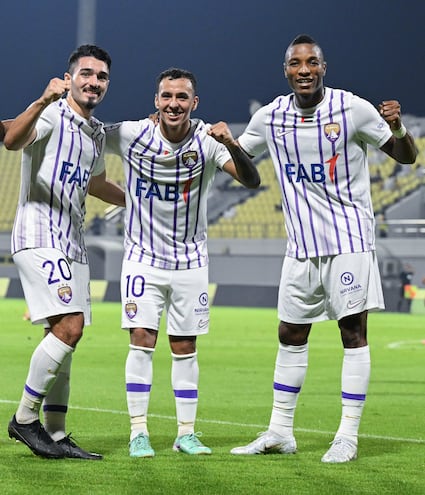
[(184, 378), (45, 364), (290, 371), (139, 372), (354, 383)]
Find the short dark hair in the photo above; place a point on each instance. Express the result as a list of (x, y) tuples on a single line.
[(175, 73), (304, 39), (88, 51)]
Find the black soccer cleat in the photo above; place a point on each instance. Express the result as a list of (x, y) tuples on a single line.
[(36, 438), (72, 451)]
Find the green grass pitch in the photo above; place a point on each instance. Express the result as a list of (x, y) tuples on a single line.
[(236, 361)]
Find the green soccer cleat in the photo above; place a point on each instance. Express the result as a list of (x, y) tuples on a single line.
[(140, 446), (190, 444)]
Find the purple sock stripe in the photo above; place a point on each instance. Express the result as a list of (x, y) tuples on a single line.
[(345, 395), (286, 388), (33, 392), (138, 387), (186, 394), (55, 408)]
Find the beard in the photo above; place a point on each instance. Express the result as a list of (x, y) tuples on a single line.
[(91, 103)]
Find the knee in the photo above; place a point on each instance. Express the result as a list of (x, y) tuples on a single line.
[(68, 328), (293, 334)]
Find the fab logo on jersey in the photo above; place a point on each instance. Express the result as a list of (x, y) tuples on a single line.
[(315, 172), (73, 174)]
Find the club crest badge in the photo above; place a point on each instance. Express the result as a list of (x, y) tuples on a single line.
[(131, 309), (65, 293), (332, 131), (190, 158)]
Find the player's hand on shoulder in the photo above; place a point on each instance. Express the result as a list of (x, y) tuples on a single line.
[(391, 113)]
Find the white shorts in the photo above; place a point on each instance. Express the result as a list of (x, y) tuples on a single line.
[(146, 291), (52, 284), (329, 287)]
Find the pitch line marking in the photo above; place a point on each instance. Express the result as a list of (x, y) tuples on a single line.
[(402, 343), (232, 423)]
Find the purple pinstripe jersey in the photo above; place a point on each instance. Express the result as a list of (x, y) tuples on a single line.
[(167, 187), (55, 172), (320, 160)]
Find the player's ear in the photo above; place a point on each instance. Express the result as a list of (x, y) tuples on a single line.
[(284, 71), (156, 101), (67, 76), (195, 103), (325, 66)]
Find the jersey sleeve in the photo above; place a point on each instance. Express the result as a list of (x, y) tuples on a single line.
[(47, 121), (113, 137), (222, 155), (253, 139), (370, 126)]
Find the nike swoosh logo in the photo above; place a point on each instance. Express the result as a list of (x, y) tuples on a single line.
[(203, 323), (282, 132), (354, 304)]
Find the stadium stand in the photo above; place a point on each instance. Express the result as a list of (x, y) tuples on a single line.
[(235, 212)]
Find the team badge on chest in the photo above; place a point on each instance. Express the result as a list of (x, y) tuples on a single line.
[(190, 158), (332, 131)]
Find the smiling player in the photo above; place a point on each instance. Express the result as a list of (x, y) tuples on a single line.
[(317, 137), (169, 169), (62, 161)]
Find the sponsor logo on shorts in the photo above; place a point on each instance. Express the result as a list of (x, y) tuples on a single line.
[(203, 299), (203, 324), (353, 304), (347, 278), (65, 293), (131, 310), (350, 286)]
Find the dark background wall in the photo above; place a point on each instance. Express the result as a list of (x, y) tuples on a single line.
[(235, 47)]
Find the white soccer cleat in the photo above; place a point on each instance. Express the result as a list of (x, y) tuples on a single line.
[(268, 443), (342, 450)]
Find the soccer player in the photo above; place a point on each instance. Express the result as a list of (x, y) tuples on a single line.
[(169, 169), (317, 137), (62, 161)]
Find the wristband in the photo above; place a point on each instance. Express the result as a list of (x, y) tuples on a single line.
[(399, 133)]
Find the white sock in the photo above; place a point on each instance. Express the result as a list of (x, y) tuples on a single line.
[(55, 404), (44, 365), (184, 379), (290, 370), (138, 377), (354, 382)]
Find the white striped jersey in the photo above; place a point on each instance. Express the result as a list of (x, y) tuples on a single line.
[(320, 161), (55, 172), (167, 186)]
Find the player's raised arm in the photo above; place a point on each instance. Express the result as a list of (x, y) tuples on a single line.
[(241, 167), (4, 126), (21, 131), (401, 146)]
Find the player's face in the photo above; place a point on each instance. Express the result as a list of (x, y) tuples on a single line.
[(175, 101), (305, 69), (89, 83)]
